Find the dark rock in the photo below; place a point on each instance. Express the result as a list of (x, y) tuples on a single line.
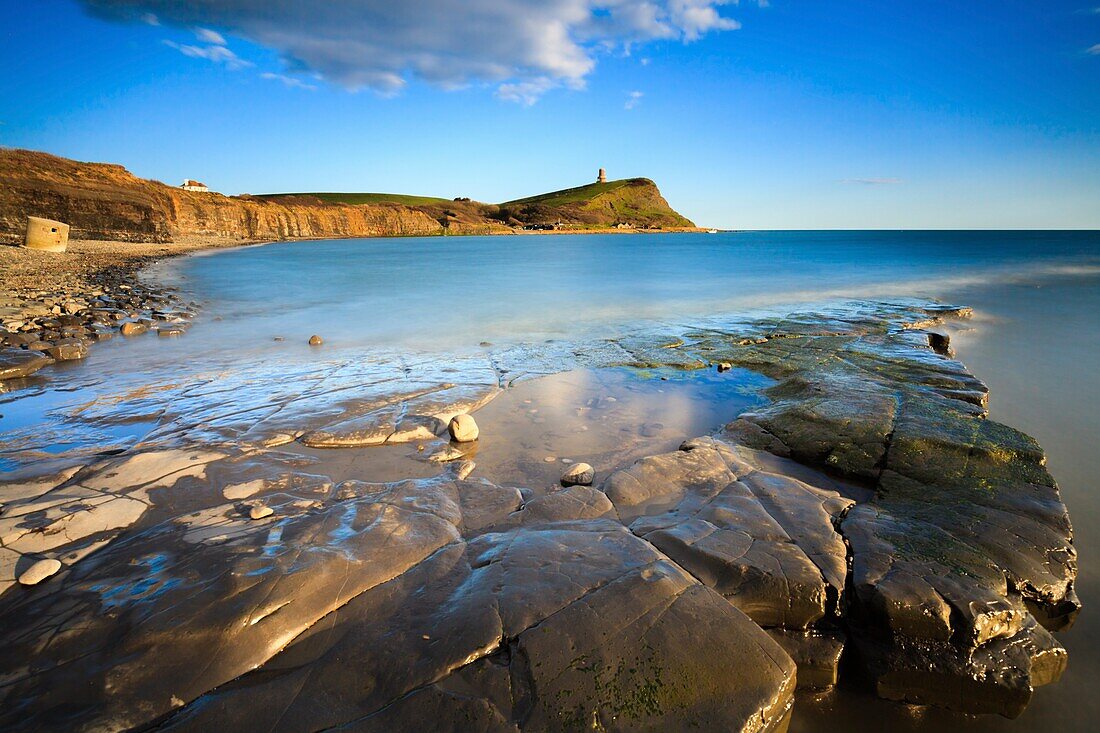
[(764, 541), (69, 349), (817, 655), (17, 363), (940, 343)]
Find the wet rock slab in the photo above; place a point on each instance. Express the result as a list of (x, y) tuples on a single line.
[(868, 509), (765, 541), (548, 615)]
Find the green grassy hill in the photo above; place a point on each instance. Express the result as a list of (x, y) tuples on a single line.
[(580, 194), (631, 202)]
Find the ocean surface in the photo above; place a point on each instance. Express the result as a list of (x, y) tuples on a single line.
[(415, 303), (447, 292)]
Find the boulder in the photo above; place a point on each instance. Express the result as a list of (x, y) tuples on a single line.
[(39, 571), (68, 349), (463, 428), (578, 474), (18, 363)]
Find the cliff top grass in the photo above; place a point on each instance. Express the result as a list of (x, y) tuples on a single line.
[(368, 198), (577, 195)]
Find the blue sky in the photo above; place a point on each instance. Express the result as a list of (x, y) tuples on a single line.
[(776, 115)]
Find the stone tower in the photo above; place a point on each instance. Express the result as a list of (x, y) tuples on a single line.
[(602, 178)]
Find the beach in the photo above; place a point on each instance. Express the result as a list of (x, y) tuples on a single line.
[(187, 436)]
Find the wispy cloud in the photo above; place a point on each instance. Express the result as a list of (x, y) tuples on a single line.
[(873, 181), (526, 92), (215, 50), (1094, 50), (208, 36), (633, 99), (523, 47), (290, 81)]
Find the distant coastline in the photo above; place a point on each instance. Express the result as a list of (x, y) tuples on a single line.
[(106, 202)]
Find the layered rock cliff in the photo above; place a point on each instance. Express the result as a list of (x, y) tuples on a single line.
[(104, 201)]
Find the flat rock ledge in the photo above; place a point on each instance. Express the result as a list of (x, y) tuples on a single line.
[(869, 511), (960, 560), (458, 603)]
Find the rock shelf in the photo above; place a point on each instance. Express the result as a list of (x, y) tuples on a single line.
[(867, 511)]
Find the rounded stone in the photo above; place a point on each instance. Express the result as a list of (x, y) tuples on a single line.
[(260, 511), (579, 474), (38, 572), (463, 429), (725, 366), (316, 340)]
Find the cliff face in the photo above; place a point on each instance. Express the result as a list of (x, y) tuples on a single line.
[(103, 201)]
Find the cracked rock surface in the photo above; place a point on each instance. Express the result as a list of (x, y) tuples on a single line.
[(867, 509)]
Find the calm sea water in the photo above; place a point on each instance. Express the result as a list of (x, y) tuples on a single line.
[(435, 291)]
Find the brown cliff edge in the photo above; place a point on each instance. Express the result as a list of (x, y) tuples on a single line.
[(106, 202)]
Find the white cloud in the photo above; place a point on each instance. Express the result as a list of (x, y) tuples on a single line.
[(526, 47), (290, 81), (697, 17), (526, 92), (1094, 50), (215, 54), (149, 19), (208, 36), (632, 100)]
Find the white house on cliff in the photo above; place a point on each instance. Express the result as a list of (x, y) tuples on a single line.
[(190, 185)]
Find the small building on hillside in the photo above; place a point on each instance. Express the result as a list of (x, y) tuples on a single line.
[(46, 234), (602, 177), (190, 185)]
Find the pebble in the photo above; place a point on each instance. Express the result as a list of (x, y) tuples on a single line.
[(550, 459), (38, 572), (579, 474), (259, 511), (315, 340), (465, 469), (463, 428), (725, 366)]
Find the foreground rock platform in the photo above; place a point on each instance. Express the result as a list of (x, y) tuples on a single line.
[(216, 577)]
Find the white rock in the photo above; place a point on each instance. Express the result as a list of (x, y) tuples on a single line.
[(579, 474), (38, 572), (260, 511), (463, 429)]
